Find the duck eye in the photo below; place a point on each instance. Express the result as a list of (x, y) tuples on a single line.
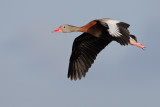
[(64, 26)]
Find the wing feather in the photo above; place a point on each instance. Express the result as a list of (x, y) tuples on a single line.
[(84, 51)]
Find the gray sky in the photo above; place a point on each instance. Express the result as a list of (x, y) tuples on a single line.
[(34, 62)]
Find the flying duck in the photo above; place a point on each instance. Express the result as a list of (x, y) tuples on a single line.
[(96, 35)]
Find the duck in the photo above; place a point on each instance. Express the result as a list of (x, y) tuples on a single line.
[(97, 34)]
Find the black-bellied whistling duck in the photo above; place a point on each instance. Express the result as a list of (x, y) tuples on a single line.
[(97, 35)]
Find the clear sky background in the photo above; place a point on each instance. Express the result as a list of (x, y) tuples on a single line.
[(34, 61)]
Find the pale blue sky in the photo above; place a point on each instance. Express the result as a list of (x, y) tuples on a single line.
[(34, 61)]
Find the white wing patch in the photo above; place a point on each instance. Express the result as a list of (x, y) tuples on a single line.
[(113, 28)]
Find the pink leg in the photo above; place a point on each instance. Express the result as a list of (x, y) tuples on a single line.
[(133, 42)]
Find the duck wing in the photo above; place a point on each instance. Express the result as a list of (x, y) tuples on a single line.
[(84, 51)]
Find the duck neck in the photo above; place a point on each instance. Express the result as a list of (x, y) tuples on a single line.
[(74, 29), (82, 29)]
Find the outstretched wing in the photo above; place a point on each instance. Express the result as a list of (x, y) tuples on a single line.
[(84, 51)]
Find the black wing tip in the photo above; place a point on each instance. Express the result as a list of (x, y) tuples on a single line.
[(74, 78), (79, 77)]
